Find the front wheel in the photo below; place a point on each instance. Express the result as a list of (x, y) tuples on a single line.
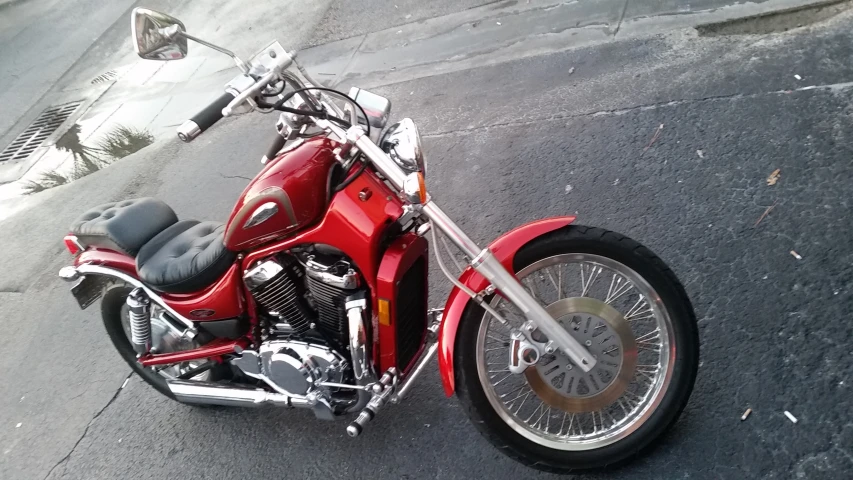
[(632, 314)]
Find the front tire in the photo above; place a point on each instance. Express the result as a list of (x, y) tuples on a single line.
[(647, 377)]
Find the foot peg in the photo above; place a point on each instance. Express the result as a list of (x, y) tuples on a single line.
[(381, 394)]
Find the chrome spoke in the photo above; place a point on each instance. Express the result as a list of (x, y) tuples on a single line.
[(618, 287), (640, 311), (554, 282), (624, 389), (650, 341)]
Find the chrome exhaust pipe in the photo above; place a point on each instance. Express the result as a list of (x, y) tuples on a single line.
[(208, 393)]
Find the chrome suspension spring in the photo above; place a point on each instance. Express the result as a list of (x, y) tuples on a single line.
[(140, 320)]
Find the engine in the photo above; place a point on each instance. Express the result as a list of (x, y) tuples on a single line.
[(305, 295), (302, 299)]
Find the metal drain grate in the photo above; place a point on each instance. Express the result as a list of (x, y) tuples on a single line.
[(105, 77), (31, 138)]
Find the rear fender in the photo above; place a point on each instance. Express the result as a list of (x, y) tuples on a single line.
[(108, 258), (504, 249)]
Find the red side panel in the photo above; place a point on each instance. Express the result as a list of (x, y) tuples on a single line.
[(398, 259), (219, 301), (503, 248)]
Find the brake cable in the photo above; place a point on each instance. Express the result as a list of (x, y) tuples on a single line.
[(324, 114)]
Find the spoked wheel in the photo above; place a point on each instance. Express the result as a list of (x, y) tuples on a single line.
[(164, 339), (631, 313)]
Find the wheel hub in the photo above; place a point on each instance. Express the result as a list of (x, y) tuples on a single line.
[(607, 336)]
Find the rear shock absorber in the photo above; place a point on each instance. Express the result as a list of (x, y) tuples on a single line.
[(140, 320)]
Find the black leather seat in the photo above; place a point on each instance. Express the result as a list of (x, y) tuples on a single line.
[(185, 257), (123, 226)]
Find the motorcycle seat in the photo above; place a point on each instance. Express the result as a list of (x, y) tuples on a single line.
[(123, 226), (185, 257)]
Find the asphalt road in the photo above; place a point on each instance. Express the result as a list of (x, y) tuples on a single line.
[(508, 144)]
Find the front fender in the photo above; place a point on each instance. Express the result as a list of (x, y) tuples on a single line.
[(504, 249)]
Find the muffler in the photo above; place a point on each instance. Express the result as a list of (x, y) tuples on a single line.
[(208, 393)]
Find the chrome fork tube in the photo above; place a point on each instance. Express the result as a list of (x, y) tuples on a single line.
[(488, 266)]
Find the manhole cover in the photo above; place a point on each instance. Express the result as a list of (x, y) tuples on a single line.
[(38, 131), (105, 77)]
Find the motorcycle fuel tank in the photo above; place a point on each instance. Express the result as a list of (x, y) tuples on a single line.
[(290, 193)]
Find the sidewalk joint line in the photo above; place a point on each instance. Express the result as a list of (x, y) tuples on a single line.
[(621, 17)]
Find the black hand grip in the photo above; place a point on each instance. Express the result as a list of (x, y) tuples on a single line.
[(204, 119), (277, 144)]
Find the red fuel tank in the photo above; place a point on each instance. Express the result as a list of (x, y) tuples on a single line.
[(290, 193)]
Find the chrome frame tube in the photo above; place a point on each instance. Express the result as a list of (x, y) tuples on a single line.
[(358, 350), (412, 377)]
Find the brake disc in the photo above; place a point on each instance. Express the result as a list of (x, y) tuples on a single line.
[(608, 337)]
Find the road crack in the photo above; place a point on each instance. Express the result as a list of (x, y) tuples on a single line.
[(234, 176), (641, 108), (86, 430)]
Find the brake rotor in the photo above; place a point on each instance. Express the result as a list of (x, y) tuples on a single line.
[(608, 337)]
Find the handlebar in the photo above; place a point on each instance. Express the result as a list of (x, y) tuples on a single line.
[(204, 119)]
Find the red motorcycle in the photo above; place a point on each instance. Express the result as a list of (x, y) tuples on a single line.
[(570, 347)]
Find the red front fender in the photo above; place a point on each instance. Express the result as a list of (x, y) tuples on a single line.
[(503, 248)]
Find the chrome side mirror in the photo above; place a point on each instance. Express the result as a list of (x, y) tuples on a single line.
[(157, 36)]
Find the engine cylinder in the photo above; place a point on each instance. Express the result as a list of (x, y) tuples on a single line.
[(332, 316), (278, 286)]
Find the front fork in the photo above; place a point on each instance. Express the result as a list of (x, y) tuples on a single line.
[(485, 263)]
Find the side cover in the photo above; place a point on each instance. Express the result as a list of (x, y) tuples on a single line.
[(504, 249)]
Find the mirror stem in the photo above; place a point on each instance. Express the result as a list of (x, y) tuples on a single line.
[(243, 67)]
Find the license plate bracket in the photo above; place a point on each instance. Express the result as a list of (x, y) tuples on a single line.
[(88, 290)]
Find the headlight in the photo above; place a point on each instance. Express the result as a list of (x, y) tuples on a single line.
[(402, 143)]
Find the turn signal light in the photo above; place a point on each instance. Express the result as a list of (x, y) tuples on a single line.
[(415, 188), (422, 188), (73, 245), (384, 312)]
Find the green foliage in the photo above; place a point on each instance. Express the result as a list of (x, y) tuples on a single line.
[(122, 141)]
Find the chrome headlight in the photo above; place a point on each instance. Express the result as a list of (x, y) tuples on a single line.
[(402, 143)]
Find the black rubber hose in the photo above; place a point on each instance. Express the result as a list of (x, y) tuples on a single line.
[(204, 119)]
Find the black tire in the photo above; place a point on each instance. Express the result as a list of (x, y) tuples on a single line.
[(580, 239), (113, 306)]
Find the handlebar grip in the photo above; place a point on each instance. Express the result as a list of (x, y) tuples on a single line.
[(204, 119), (277, 144)]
